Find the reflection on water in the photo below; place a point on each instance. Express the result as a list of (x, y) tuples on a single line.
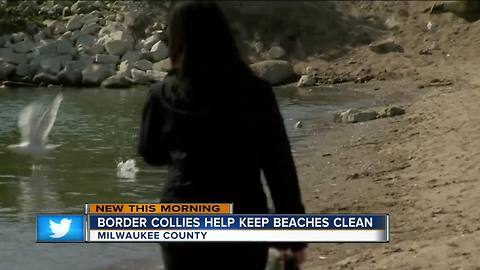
[(97, 128)]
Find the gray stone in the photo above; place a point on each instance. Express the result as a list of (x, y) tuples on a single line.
[(53, 65), (90, 28), (273, 71), (139, 76), (154, 75), (143, 64), (96, 48), (25, 70), (385, 46), (86, 40), (306, 81), (107, 59), (162, 65), (20, 36), (390, 112), (117, 47), (71, 74), (23, 46), (159, 51), (65, 47), (94, 74), (150, 41), (131, 56), (6, 70), (354, 116), (131, 18), (275, 52), (15, 58), (46, 78), (116, 81), (74, 23), (125, 66)]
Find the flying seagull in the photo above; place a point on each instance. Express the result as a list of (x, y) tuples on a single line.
[(34, 128)]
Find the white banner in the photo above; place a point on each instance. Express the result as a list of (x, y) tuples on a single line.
[(237, 236)]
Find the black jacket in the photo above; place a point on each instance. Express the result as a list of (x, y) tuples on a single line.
[(216, 137)]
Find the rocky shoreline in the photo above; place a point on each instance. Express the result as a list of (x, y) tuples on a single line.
[(94, 44)]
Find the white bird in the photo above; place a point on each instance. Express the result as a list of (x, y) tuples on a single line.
[(127, 169), (34, 128), (59, 230)]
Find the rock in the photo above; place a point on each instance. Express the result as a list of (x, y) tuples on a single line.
[(71, 74), (385, 46), (94, 74), (354, 116), (90, 18), (6, 70), (106, 59), (150, 41), (49, 49), (275, 52), (46, 78), (15, 58), (139, 76), (143, 65), (125, 66), (154, 75), (90, 28), (163, 65), (5, 51), (159, 51), (66, 12), (55, 28), (25, 70), (390, 112), (117, 47), (23, 46), (65, 47), (20, 36), (53, 65), (131, 56), (110, 28), (96, 48), (306, 81), (85, 40), (273, 71), (116, 81), (74, 23), (82, 7)]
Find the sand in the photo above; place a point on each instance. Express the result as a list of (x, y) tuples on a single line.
[(421, 167)]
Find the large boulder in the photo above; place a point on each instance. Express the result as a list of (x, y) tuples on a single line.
[(150, 41), (154, 75), (71, 74), (94, 74), (159, 51), (116, 81), (90, 28), (117, 47), (15, 58), (6, 70), (163, 65), (107, 59), (46, 78), (53, 65), (273, 71), (131, 56), (143, 64), (85, 40), (23, 46), (74, 23), (139, 76), (65, 47), (25, 70)]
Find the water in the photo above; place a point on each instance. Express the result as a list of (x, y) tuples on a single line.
[(97, 128)]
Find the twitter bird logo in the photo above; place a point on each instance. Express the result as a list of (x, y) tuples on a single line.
[(60, 228)]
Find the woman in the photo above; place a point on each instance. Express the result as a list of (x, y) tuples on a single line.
[(217, 126)]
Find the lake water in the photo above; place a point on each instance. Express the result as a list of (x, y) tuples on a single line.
[(97, 128)]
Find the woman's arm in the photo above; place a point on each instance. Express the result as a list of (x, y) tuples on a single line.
[(279, 167), (151, 146)]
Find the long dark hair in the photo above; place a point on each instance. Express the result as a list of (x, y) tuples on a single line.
[(201, 42)]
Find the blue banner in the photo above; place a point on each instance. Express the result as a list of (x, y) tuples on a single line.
[(237, 221)]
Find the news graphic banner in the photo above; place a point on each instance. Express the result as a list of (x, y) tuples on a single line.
[(178, 222)]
